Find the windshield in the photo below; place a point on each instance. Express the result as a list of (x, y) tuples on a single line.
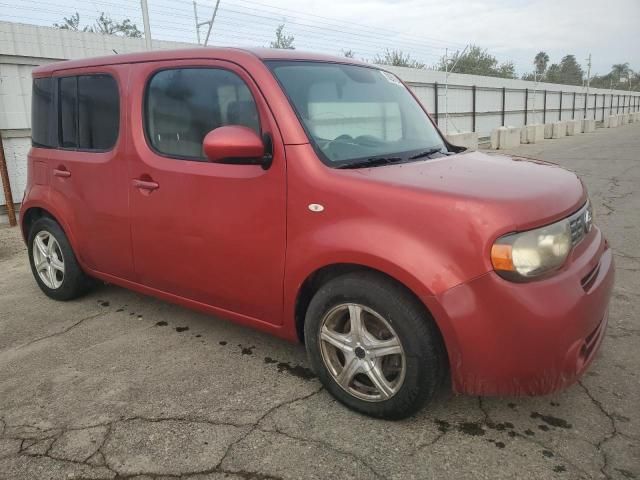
[(354, 113)]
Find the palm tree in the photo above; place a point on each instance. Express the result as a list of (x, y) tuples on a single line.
[(541, 61), (620, 71)]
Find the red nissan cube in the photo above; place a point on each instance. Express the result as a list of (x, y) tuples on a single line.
[(313, 198)]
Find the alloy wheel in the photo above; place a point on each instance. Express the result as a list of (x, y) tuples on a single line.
[(362, 352), (48, 259)]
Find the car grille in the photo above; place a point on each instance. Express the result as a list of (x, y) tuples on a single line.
[(580, 223)]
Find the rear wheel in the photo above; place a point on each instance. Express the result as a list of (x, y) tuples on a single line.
[(373, 346), (53, 263)]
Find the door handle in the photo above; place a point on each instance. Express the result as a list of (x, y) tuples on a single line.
[(145, 184), (61, 173)]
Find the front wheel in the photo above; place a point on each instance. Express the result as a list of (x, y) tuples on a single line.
[(373, 345), (53, 262)]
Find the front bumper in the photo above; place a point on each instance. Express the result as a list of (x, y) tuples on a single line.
[(533, 338)]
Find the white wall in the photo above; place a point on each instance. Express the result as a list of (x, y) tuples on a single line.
[(457, 99), (22, 47), (15, 152)]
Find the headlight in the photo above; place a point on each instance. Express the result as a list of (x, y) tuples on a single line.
[(527, 255)]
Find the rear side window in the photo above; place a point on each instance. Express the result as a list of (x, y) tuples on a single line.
[(183, 105), (68, 112), (43, 114), (99, 112), (89, 109)]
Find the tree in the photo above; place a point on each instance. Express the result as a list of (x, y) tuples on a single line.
[(348, 53), (103, 24), (397, 58), (477, 61), (612, 79), (620, 71), (507, 70), (568, 71), (282, 40), (602, 81), (71, 23), (107, 26), (541, 60), (635, 84)]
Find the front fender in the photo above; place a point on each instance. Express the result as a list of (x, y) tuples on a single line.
[(411, 261)]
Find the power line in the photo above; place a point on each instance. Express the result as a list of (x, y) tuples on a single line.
[(343, 23), (250, 22)]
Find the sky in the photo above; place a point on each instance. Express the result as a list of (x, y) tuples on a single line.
[(426, 29)]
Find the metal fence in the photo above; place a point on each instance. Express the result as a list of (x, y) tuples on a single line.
[(481, 108)]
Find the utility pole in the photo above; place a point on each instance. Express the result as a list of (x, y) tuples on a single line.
[(210, 22), (446, 83), (586, 100), (446, 91), (200, 24), (535, 91), (145, 21), (195, 15)]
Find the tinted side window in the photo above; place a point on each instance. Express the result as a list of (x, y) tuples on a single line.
[(99, 112), (68, 112), (89, 112), (183, 105), (43, 115)]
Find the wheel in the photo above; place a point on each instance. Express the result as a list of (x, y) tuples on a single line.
[(53, 262), (373, 346)]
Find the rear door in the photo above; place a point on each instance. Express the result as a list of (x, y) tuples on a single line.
[(212, 233), (88, 168)]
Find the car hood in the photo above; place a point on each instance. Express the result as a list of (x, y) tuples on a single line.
[(524, 192)]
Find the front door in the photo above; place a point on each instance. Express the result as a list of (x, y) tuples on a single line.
[(213, 233)]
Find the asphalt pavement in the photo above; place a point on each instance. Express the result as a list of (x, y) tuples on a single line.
[(120, 385)]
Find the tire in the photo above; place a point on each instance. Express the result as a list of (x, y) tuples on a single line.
[(69, 283), (411, 377)]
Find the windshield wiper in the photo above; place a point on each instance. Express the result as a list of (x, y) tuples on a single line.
[(372, 162), (426, 153)]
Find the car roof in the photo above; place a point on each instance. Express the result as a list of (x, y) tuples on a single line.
[(222, 53)]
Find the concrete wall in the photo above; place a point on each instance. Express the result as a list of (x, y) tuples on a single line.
[(22, 47)]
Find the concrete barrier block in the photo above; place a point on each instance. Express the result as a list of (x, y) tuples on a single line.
[(611, 121), (574, 127), (625, 118), (558, 129), (588, 125), (495, 138), (523, 135), (464, 139), (532, 133), (548, 130), (505, 137), (510, 137)]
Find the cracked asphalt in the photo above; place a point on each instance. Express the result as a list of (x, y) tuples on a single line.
[(118, 385)]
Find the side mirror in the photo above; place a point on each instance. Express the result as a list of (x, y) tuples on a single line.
[(234, 144)]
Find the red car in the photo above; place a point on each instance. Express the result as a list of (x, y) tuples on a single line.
[(313, 198)]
